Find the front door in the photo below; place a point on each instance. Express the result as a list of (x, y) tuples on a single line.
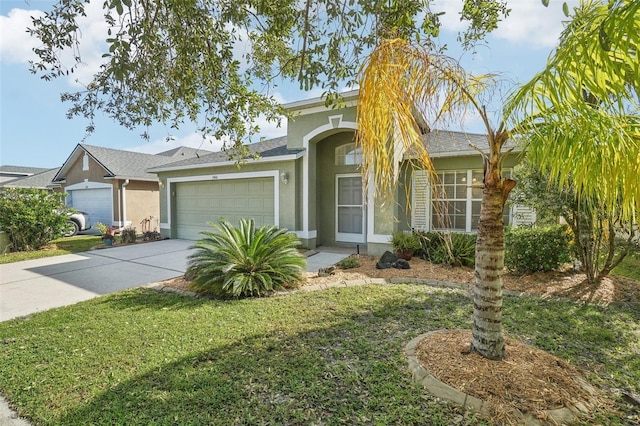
[(349, 209)]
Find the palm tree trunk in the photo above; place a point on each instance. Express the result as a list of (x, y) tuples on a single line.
[(487, 337)]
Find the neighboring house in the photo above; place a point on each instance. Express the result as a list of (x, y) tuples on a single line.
[(10, 173), (310, 183), (112, 186), (41, 180)]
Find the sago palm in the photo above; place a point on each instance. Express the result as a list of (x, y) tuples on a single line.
[(245, 260)]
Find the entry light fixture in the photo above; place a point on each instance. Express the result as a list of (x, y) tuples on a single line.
[(284, 177)]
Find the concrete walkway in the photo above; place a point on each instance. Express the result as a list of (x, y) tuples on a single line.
[(37, 285)]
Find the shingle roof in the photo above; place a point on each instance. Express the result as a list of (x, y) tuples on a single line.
[(184, 151), (39, 180), (445, 143), (125, 164), (268, 148), (22, 170)]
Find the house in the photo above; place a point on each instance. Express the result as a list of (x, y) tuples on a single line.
[(310, 183), (11, 173), (111, 185)]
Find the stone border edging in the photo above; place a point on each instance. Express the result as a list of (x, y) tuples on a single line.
[(469, 402)]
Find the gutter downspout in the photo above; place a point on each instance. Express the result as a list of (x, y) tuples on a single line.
[(124, 202)]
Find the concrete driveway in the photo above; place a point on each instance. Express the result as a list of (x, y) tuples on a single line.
[(41, 284), (37, 285)]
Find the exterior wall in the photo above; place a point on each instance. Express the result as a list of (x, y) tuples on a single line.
[(305, 131), (287, 197), (142, 201), (325, 190), (76, 176), (300, 125)]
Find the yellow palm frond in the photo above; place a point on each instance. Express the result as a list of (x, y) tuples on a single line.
[(404, 87)]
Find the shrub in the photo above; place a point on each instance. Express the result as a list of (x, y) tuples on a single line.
[(128, 235), (405, 241), (454, 249), (348, 263), (536, 248), (31, 217), (245, 261)]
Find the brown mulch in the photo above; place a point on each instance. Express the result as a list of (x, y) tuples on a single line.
[(528, 379)]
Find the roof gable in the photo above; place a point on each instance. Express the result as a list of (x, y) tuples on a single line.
[(123, 164)]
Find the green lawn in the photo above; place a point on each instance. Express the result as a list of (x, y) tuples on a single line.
[(76, 244), (328, 357), (630, 266)]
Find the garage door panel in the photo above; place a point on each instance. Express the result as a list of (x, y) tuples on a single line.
[(200, 203), (96, 202)]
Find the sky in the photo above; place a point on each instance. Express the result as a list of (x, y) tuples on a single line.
[(35, 132)]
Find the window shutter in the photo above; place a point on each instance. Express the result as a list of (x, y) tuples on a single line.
[(420, 201)]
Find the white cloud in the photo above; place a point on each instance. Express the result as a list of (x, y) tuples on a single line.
[(529, 23), (15, 44)]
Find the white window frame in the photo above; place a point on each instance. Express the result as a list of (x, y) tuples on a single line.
[(426, 223)]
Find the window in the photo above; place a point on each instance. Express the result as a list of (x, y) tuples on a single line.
[(453, 203), (348, 155), (85, 162)]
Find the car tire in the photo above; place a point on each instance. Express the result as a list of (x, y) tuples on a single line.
[(71, 229)]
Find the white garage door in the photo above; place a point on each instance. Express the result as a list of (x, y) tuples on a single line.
[(95, 202), (198, 203)]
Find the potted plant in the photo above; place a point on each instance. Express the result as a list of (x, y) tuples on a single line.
[(405, 244), (107, 233)]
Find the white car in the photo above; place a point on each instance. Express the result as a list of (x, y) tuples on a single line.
[(78, 221)]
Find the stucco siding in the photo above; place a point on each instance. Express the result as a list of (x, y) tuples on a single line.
[(300, 126), (142, 202)]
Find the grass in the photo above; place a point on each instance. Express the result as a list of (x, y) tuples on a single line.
[(630, 266), (76, 244), (328, 357)]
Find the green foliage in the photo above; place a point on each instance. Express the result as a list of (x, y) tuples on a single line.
[(597, 243), (537, 248), (405, 241), (128, 235), (245, 261), (101, 227), (31, 217), (579, 116), (348, 263), (454, 249), (178, 61)]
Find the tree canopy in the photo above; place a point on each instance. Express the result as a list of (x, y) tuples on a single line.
[(215, 62)]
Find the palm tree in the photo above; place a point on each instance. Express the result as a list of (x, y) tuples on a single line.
[(409, 80), (581, 114), (599, 148)]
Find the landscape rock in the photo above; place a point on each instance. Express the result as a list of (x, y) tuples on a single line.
[(386, 260), (401, 264)]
